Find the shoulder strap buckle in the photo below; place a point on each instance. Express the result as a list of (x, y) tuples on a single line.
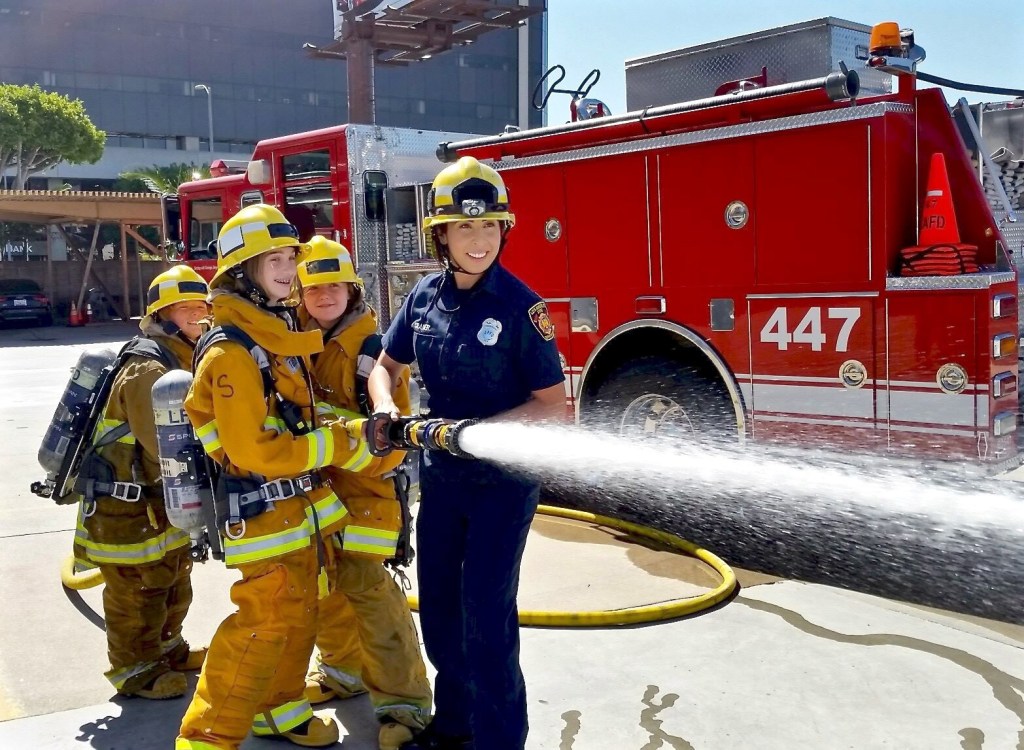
[(129, 492)]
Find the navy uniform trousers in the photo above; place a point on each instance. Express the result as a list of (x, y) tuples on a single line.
[(471, 527)]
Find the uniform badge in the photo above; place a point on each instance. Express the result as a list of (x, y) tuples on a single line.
[(489, 331), (292, 363), (542, 321)]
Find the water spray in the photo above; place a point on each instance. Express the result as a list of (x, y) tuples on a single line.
[(418, 433)]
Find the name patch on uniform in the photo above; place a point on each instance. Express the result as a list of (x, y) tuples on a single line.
[(542, 321), (489, 332)]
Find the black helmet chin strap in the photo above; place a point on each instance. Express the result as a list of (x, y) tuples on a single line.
[(249, 289), (172, 330)]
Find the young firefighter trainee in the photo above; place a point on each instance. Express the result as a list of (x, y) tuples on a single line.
[(485, 348), (145, 561), (365, 632), (252, 406)]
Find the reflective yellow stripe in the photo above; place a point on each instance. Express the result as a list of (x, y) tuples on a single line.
[(209, 436), (360, 459), (137, 553), (366, 539), (283, 718), (324, 409), (103, 426), (253, 549), (276, 424), (183, 744), (118, 677), (329, 511), (321, 448)]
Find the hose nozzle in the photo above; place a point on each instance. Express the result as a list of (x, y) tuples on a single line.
[(417, 433)]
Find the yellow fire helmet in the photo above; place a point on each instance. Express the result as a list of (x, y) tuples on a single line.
[(178, 284), (464, 190), (254, 230), (328, 262)]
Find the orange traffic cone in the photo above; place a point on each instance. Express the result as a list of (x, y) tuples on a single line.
[(74, 318), (940, 252), (938, 220)]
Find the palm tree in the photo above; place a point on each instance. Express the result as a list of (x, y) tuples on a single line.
[(166, 180)]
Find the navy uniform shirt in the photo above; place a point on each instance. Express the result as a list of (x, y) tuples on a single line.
[(481, 351)]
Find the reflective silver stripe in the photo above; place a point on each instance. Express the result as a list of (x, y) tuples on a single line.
[(386, 709), (276, 424), (365, 539), (209, 436), (119, 677), (360, 459), (321, 448), (343, 677), (241, 551), (150, 550), (103, 426), (329, 511), (282, 718)]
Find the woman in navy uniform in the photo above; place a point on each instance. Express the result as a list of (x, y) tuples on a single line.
[(485, 348)]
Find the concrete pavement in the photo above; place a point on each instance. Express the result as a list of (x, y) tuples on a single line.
[(783, 665)]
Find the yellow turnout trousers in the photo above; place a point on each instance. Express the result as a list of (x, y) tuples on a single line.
[(144, 607), (365, 632), (255, 671)]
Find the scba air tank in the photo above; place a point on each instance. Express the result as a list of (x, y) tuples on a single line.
[(72, 412), (182, 460)]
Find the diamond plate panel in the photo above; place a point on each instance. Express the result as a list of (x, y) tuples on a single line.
[(791, 53), (408, 158)]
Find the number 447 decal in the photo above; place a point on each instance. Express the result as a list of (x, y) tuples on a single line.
[(809, 330)]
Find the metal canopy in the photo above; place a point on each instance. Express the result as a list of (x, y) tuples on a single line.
[(397, 34), (421, 28), (71, 206)]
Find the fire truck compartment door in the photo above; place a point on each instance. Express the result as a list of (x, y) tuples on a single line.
[(813, 366), (536, 250), (813, 205), (934, 389)]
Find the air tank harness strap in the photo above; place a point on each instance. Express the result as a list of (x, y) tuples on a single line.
[(248, 497), (90, 488)]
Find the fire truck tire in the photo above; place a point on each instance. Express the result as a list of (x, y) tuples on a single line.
[(656, 394)]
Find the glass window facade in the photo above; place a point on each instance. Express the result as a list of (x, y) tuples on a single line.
[(135, 66)]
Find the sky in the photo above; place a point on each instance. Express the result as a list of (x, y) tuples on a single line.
[(976, 42)]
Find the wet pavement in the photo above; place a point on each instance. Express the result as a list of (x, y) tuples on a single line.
[(784, 664)]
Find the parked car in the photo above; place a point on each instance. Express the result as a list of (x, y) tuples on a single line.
[(23, 299)]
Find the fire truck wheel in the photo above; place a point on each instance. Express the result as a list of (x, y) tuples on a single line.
[(660, 396)]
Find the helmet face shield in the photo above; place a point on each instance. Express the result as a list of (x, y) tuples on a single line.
[(178, 284), (328, 262), (255, 230)]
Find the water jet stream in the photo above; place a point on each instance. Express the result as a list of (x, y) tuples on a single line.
[(941, 537)]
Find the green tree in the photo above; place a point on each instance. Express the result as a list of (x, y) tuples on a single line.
[(40, 129), (164, 180)]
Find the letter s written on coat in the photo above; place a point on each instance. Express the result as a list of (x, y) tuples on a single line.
[(225, 387)]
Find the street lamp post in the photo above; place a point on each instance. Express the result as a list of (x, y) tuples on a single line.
[(209, 108)]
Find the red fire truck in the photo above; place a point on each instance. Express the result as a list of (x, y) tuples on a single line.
[(728, 265)]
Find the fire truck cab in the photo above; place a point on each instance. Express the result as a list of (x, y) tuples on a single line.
[(733, 264)]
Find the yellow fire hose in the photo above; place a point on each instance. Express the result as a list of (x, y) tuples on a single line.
[(78, 579), (632, 615)]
